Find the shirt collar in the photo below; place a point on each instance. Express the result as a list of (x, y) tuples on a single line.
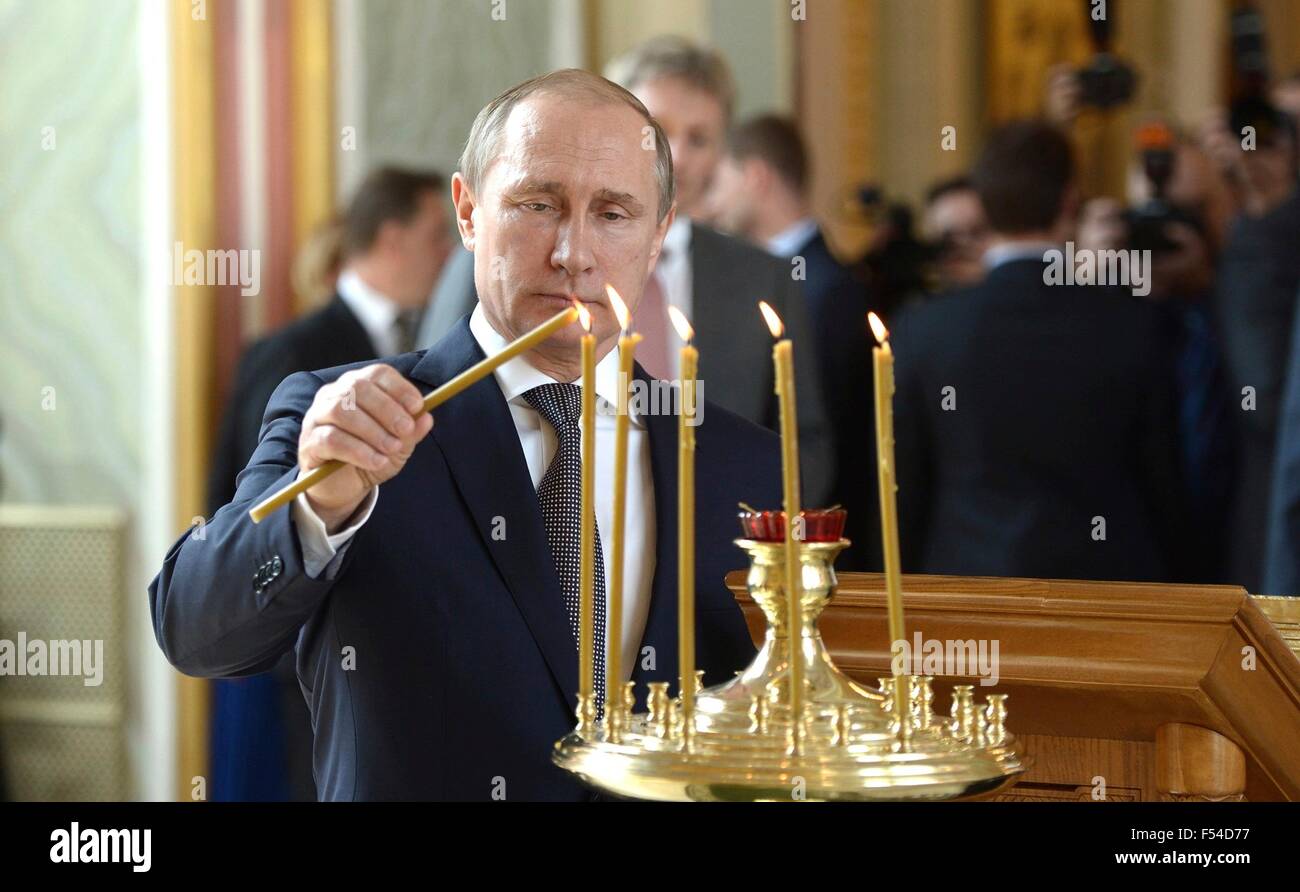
[(518, 376), (1007, 252), (788, 241), (376, 311), (677, 241)]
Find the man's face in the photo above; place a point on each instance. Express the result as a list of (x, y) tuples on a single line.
[(957, 220), (569, 204), (418, 249), (695, 123), (730, 202)]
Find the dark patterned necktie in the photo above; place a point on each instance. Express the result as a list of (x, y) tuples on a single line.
[(405, 328), (560, 493)]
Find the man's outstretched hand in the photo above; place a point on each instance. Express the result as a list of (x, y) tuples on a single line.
[(363, 420)]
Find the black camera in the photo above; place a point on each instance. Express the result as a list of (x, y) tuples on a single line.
[(1251, 107), (1106, 81), (1147, 223)]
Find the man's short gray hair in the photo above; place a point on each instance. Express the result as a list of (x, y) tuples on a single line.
[(484, 143), (670, 55)]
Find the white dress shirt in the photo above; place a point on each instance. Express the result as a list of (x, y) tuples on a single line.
[(793, 239), (1009, 252), (321, 552), (376, 312)]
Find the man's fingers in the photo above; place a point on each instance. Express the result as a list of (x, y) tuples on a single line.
[(374, 401), (395, 385), (328, 442)]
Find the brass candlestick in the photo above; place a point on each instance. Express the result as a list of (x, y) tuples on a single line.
[(736, 747)]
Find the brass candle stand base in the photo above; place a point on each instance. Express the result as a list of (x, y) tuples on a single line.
[(739, 742)]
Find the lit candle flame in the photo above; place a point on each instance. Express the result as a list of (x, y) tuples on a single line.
[(878, 328), (774, 323), (620, 308), (684, 329), (584, 315)]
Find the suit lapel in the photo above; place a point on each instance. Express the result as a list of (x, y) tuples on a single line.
[(661, 623), (478, 439)]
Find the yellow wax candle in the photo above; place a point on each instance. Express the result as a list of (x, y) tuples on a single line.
[(432, 400), (883, 363), (689, 363), (614, 648), (587, 530), (783, 364)]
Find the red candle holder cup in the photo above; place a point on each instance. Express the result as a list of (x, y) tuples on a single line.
[(820, 525)]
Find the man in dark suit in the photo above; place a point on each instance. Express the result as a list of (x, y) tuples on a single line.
[(433, 624), (1281, 574), (396, 234), (1035, 423), (715, 280), (760, 192), (1259, 271)]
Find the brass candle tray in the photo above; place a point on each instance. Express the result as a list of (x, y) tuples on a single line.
[(737, 741)]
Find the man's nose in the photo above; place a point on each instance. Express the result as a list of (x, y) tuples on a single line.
[(573, 250)]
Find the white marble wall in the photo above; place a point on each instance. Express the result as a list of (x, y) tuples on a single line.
[(81, 422), (424, 68)]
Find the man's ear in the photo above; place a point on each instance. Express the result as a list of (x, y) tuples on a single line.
[(463, 201), (661, 230)]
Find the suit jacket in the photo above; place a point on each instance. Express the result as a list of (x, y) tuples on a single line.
[(729, 278), (327, 337), (1282, 558), (1065, 412), (837, 312), (1258, 274), (465, 667)]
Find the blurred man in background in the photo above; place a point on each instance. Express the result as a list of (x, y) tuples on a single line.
[(761, 192), (953, 222), (1257, 280), (395, 236), (1038, 420), (714, 279), (1171, 197)]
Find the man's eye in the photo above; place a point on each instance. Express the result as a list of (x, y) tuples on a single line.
[(537, 206), (613, 215)]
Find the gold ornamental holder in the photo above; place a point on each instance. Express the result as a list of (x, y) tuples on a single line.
[(739, 745)]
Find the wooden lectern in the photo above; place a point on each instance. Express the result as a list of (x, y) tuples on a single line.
[(1118, 691)]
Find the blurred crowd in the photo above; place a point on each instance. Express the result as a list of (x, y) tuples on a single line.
[(1074, 428)]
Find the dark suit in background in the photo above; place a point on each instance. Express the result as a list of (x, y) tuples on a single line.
[(1065, 411), (1259, 272), (1282, 563), (466, 667), (267, 710), (729, 278), (837, 312)]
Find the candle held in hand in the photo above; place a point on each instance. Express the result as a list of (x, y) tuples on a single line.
[(432, 400)]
